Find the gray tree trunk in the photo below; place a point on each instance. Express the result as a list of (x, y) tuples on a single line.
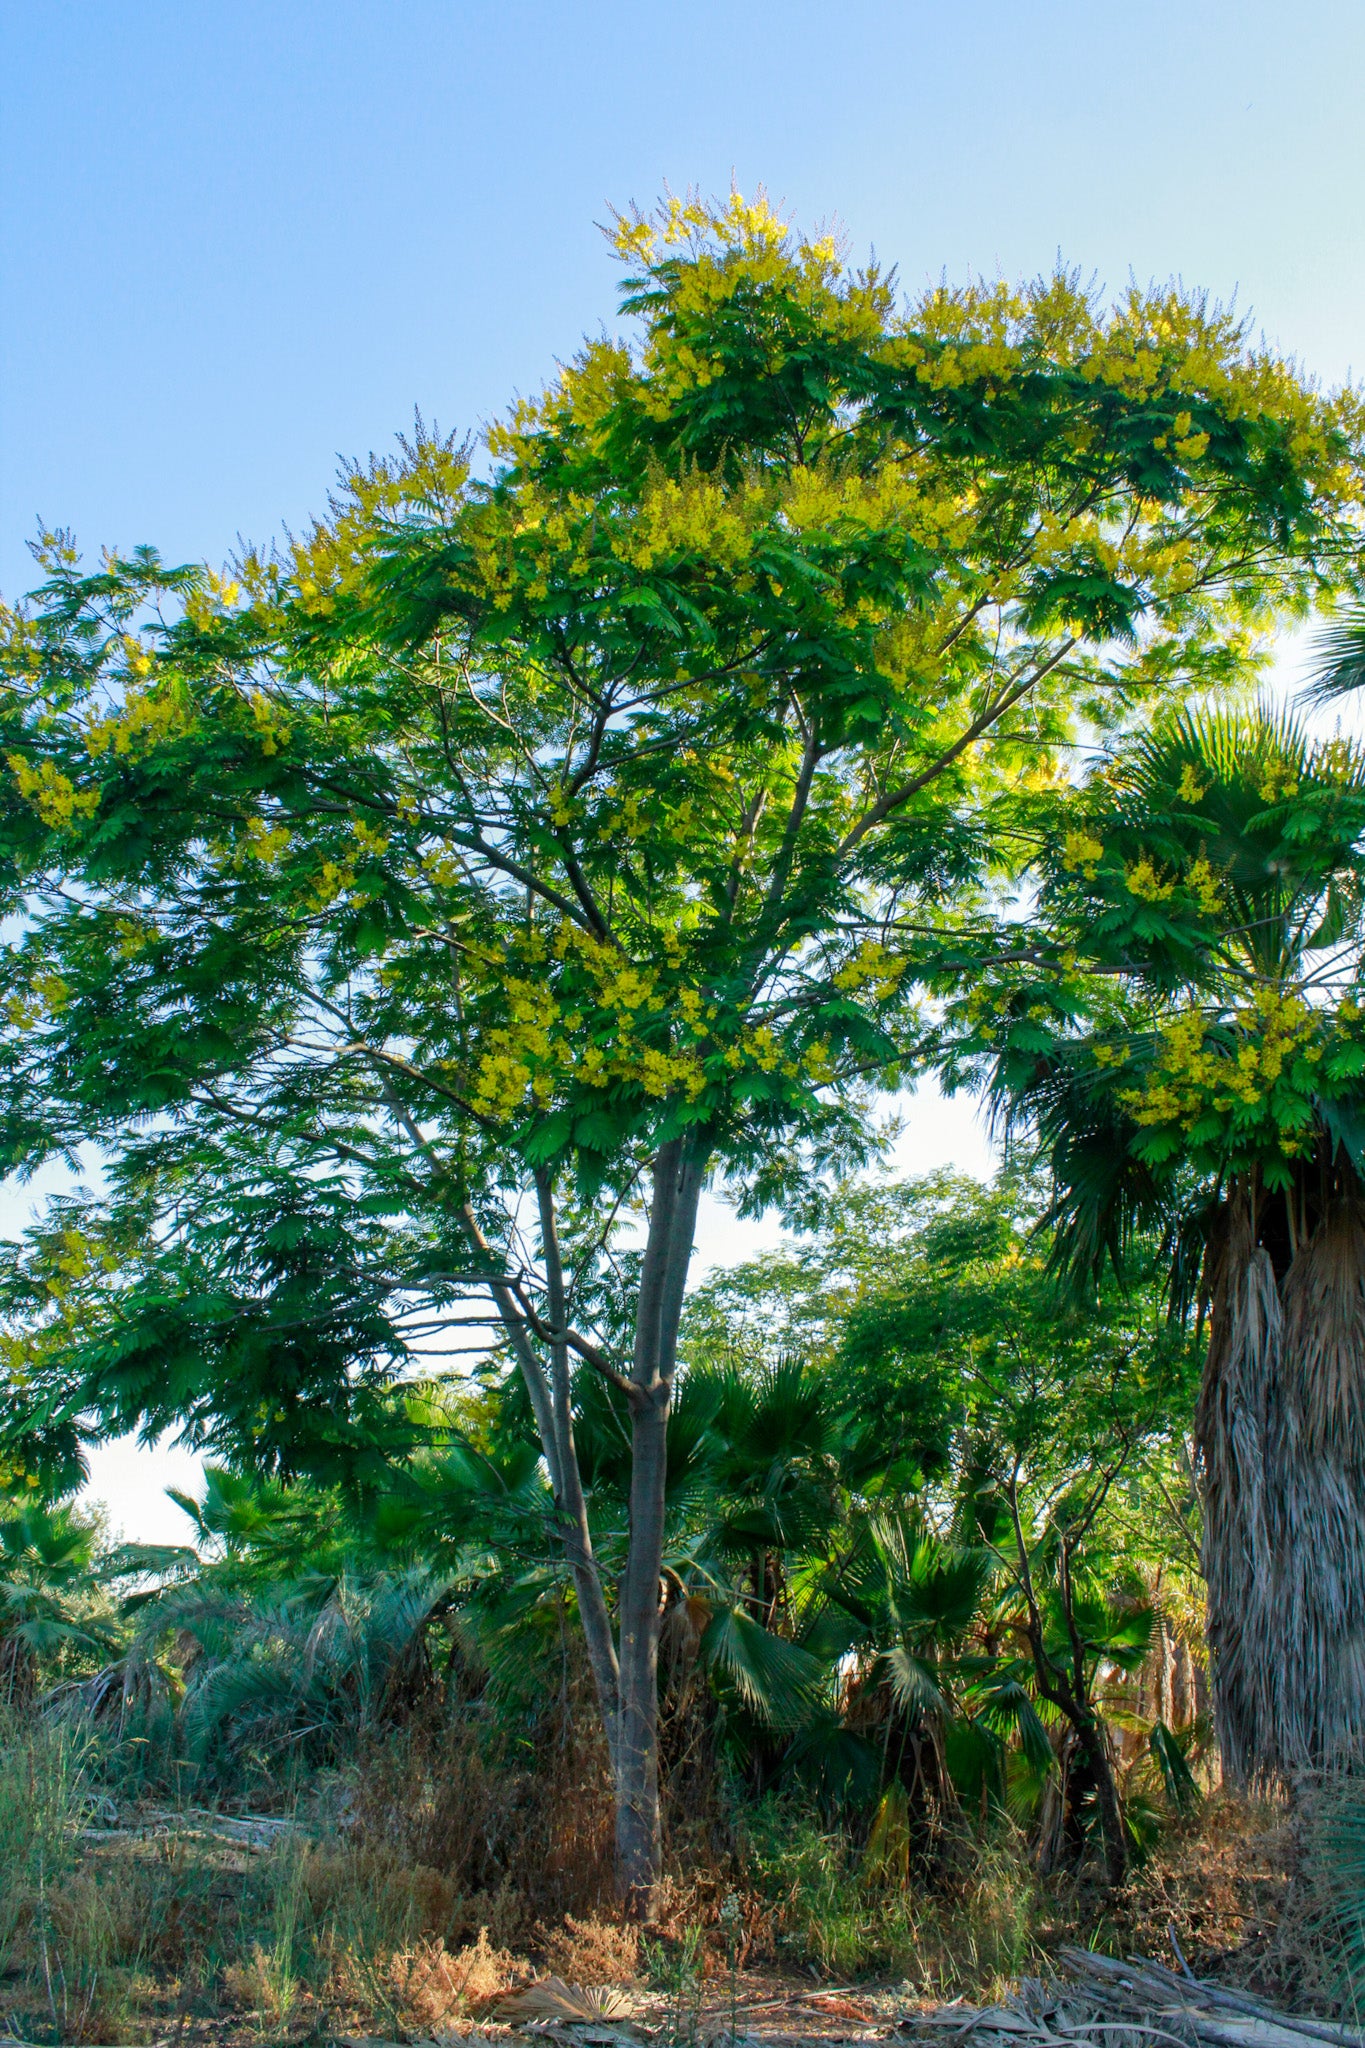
[(625, 1672), (677, 1183)]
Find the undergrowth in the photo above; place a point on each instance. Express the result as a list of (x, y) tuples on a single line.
[(409, 1896), (969, 1923)]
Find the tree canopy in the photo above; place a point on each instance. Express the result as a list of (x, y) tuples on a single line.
[(402, 913)]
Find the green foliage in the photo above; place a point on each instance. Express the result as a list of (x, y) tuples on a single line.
[(536, 812), (850, 1907), (1333, 1875), (1192, 1009), (845, 1639), (55, 1614)]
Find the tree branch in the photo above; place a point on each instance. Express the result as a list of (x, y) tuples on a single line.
[(992, 714)]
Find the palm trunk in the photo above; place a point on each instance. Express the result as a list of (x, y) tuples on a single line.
[(1281, 1432), (1245, 1341), (1113, 1835)]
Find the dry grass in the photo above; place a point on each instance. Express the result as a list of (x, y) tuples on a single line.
[(515, 1848), (413, 1918), (810, 1895), (431, 1985), (592, 1951), (1220, 1881)]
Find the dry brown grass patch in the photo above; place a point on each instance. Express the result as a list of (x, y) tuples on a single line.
[(592, 1951), (1220, 1880), (431, 1985)]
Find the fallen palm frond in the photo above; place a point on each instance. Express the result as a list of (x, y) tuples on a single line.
[(553, 1999), (246, 1830), (1103, 2003), (382, 2041)]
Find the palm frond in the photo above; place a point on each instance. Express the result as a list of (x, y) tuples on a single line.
[(913, 1681), (1001, 1700), (1341, 660), (779, 1682), (1182, 1788)]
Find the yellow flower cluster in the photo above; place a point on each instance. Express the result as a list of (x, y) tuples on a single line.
[(1205, 886), (1193, 1076), (332, 880), (442, 866), (516, 1056), (214, 595), (56, 799), (148, 718), (266, 843), (1278, 782), (369, 837), (47, 996), (693, 515), (333, 557), (1142, 880), (681, 223), (573, 1014), (1082, 853), (872, 965), (271, 723)]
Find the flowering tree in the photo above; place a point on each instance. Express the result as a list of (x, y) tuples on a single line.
[(1192, 1055), (418, 918)]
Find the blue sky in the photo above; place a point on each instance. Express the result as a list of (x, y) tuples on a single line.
[(238, 242)]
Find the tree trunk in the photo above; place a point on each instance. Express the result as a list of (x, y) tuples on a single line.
[(638, 1840), (1071, 1697), (677, 1182), (1281, 1438), (568, 1485), (1245, 1337), (626, 1676), (550, 1404), (1113, 1835)]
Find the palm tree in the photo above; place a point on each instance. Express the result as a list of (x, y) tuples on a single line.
[(1187, 1047), (50, 1594)]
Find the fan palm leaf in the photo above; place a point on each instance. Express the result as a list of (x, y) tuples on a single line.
[(1341, 659), (779, 1682)]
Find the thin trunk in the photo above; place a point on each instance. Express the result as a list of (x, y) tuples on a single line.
[(554, 1426), (1094, 1750), (626, 1679), (1070, 1695), (569, 1495), (677, 1182), (1090, 1733)]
